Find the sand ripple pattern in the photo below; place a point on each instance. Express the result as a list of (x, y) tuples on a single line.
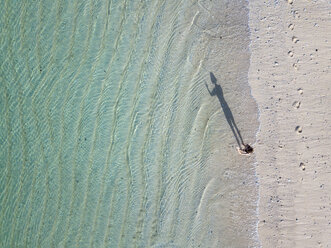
[(101, 135)]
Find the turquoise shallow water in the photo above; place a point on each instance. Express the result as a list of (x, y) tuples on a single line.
[(109, 137)]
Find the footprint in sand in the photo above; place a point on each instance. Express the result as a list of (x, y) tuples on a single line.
[(298, 129), (295, 39), (302, 166), (295, 14), (300, 91), (290, 53), (291, 26), (296, 104), (290, 1), (295, 66)]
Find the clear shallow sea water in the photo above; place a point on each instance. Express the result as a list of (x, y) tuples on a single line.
[(109, 137)]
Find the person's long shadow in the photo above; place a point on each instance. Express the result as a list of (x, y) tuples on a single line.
[(217, 91)]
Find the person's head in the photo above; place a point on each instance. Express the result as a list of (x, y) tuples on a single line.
[(213, 78), (248, 149)]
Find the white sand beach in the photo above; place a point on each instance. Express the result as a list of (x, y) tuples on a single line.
[(120, 122), (290, 79)]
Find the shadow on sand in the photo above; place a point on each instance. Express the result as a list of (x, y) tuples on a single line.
[(217, 91)]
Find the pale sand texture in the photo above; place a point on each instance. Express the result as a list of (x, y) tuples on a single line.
[(290, 80)]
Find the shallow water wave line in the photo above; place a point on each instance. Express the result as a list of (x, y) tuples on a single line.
[(109, 137)]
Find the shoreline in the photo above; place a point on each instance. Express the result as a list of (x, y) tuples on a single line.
[(289, 81), (232, 192)]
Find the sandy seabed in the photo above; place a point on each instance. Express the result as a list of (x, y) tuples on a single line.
[(109, 134), (290, 79)]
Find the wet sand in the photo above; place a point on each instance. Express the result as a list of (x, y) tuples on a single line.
[(290, 80)]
